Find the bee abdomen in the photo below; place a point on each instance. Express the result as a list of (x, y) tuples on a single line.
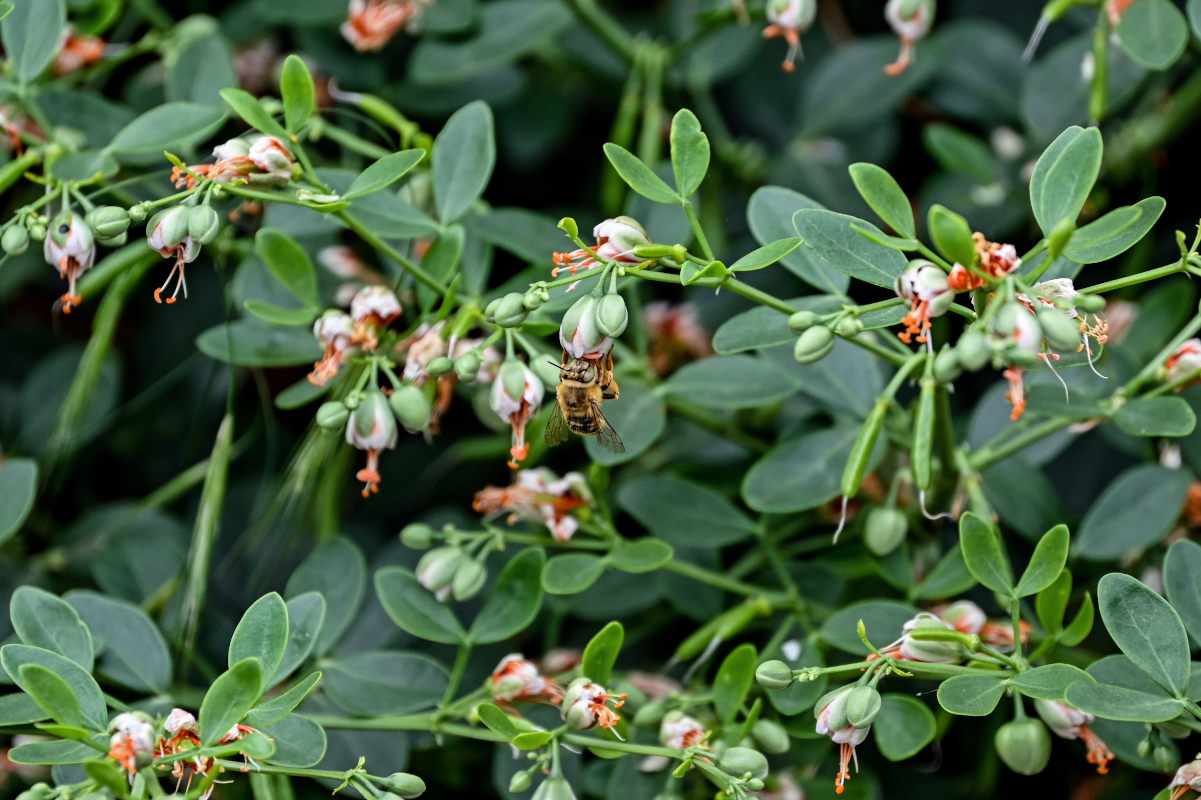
[(583, 424)]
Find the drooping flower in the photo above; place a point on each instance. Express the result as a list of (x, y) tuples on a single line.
[(131, 741), (1072, 723), (962, 615), (538, 495), (371, 24), (372, 427), (335, 331), (911, 21), (265, 160), (70, 248), (848, 730), (1184, 363), (436, 570), (616, 239), (926, 288), (587, 705), (372, 309), (167, 232), (77, 50), (1187, 777), (518, 678), (789, 19), (579, 332), (927, 650), (680, 731), (516, 396)]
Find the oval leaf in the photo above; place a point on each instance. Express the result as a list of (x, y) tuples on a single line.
[(384, 173), (135, 653), (227, 701), (831, 238), (983, 553), (689, 152), (1156, 416), (1180, 570), (638, 176), (903, 727), (1135, 511), (297, 91), (464, 156), (884, 195), (1146, 629), (971, 695), (730, 382), (1047, 562), (513, 601), (1064, 175), (684, 513), (1120, 703), (572, 573), (262, 634), (414, 609), (44, 620), (18, 487), (733, 681), (601, 652), (1153, 33), (1114, 233)]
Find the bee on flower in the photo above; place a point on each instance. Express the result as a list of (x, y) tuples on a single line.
[(70, 247), (516, 396), (265, 161), (518, 678), (680, 731), (911, 21), (616, 239), (372, 309), (131, 741), (538, 495), (587, 705), (789, 19), (1184, 364), (1071, 723), (372, 427), (846, 715), (371, 24), (926, 288), (335, 331)]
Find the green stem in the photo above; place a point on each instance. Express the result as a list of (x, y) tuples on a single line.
[(716, 423), (1134, 280), (379, 244), (605, 26), (720, 581), (456, 674), (1012, 443), (348, 140), (690, 212), (1153, 364)]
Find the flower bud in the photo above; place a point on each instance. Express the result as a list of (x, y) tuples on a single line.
[(884, 530), (15, 240), (1144, 748), (739, 761), (467, 366), (1061, 331), (520, 782), (774, 675), (510, 311), (37, 231), (332, 415), (1091, 303), (137, 213), (203, 224), (1165, 758), (848, 327), (113, 241), (108, 222), (611, 315), (929, 650), (436, 569), (946, 365), (862, 705), (973, 350), (469, 579), (801, 321), (770, 736), (556, 787), (1024, 745), (616, 238), (813, 345), (411, 407), (417, 535), (405, 785), (532, 299), (440, 366)]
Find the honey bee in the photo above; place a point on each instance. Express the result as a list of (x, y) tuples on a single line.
[(583, 384)]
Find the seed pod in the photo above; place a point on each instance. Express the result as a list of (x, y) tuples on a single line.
[(411, 407), (884, 530), (108, 222), (469, 580), (739, 761), (770, 736), (440, 366), (1060, 331), (417, 535), (774, 675), (921, 453), (15, 240), (332, 415), (801, 321), (973, 350), (203, 224), (405, 785), (611, 315), (861, 450), (813, 345), (1024, 745), (862, 705)]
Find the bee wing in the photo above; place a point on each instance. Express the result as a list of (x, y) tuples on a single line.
[(605, 434), (556, 426)]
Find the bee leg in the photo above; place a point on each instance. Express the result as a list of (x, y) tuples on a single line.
[(608, 382), (609, 390)]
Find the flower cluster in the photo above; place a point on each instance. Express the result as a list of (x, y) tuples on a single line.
[(265, 161), (616, 240), (588, 705), (178, 233), (538, 495), (517, 678)]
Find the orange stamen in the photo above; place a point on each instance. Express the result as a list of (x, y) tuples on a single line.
[(904, 58), (1098, 752), (1016, 394)]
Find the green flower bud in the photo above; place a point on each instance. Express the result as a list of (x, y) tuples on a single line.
[(774, 675), (467, 366), (655, 251), (436, 570), (108, 222), (352, 401), (770, 736), (440, 366), (1060, 331), (1024, 745), (405, 785), (862, 706), (510, 311), (574, 690), (520, 782), (755, 784), (650, 715), (1144, 748), (203, 224), (1090, 303), (332, 415), (946, 365), (556, 787), (813, 345), (469, 580), (490, 309), (1166, 758), (411, 407), (973, 350), (37, 232), (739, 761), (113, 241), (417, 535), (849, 326), (611, 315), (15, 240), (884, 530), (39, 791), (568, 226), (532, 299), (802, 321), (137, 213)]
